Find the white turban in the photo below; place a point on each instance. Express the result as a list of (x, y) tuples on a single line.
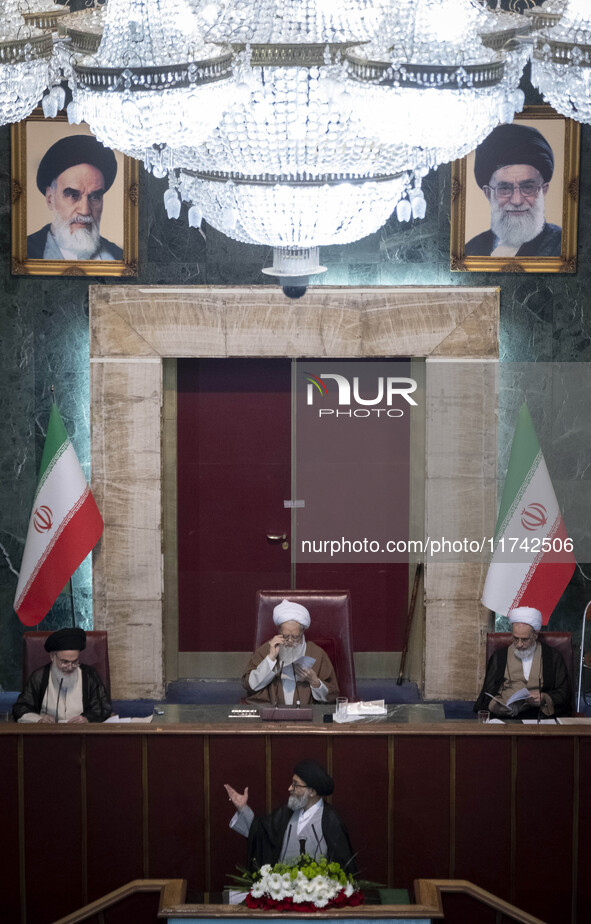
[(527, 614), (287, 610)]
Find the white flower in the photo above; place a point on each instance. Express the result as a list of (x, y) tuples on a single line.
[(349, 890), (258, 890), (266, 869)]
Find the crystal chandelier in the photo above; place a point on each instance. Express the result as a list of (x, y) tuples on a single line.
[(43, 14), (154, 80), (443, 74), (26, 63), (547, 14), (324, 141), (561, 62), (291, 164)]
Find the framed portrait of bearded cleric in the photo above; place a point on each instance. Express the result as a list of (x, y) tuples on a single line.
[(74, 202), (515, 198)]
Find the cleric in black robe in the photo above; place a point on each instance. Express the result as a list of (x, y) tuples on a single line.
[(307, 824), (513, 167)]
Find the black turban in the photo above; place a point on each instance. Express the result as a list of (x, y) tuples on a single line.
[(71, 151), (315, 777), (513, 144), (72, 639)]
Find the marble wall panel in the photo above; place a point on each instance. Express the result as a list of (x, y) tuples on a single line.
[(128, 573), (453, 659)]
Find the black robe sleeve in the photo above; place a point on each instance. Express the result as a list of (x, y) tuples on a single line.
[(96, 706), (493, 679), (31, 699)]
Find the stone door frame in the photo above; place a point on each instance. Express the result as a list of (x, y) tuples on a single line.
[(134, 329)]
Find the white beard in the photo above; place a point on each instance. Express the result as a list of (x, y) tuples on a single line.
[(288, 655), (67, 681), (84, 241), (515, 230), (296, 802), (524, 653)]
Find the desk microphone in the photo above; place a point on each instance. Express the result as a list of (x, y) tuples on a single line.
[(319, 847), (540, 693), (58, 699), (302, 845)]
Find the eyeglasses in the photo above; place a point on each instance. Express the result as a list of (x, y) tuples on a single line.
[(294, 785), (529, 189), (294, 638), (63, 663)]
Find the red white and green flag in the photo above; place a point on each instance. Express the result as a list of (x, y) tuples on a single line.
[(65, 526), (533, 559)]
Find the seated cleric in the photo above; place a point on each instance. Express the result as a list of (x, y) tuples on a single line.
[(273, 675), (526, 663), (64, 690), (307, 824)]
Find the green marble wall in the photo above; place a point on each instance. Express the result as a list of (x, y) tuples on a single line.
[(44, 341)]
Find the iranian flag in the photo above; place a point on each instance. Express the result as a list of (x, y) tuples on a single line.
[(533, 560), (65, 526)]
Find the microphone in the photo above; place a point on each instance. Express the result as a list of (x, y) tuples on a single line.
[(58, 699), (302, 845), (319, 847), (540, 693)]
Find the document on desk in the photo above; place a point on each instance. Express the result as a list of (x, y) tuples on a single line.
[(539, 722), (117, 720), (524, 693), (357, 711), (573, 720)]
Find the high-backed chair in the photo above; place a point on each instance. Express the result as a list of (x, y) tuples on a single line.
[(330, 612), (96, 654), (561, 640)]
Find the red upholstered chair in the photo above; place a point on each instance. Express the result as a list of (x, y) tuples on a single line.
[(330, 612), (96, 654), (561, 640)]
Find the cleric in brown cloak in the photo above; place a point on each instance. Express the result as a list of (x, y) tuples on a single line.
[(307, 824), (513, 168), (289, 670)]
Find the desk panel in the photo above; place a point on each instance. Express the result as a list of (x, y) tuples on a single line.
[(477, 802), (483, 812), (114, 798), (53, 825), (421, 808), (10, 842)]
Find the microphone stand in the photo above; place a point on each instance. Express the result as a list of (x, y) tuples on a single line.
[(58, 699)]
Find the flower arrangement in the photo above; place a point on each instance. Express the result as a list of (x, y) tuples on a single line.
[(301, 884)]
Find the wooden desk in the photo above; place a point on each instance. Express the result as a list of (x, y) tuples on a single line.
[(441, 800)]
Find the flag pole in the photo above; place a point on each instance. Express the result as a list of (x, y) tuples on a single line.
[(72, 602), (586, 616)]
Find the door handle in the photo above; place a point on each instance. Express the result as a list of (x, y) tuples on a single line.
[(279, 537)]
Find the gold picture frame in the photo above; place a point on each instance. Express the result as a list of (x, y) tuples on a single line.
[(30, 139), (470, 209)]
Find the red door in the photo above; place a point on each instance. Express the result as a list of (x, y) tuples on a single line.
[(234, 474), (234, 448)]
